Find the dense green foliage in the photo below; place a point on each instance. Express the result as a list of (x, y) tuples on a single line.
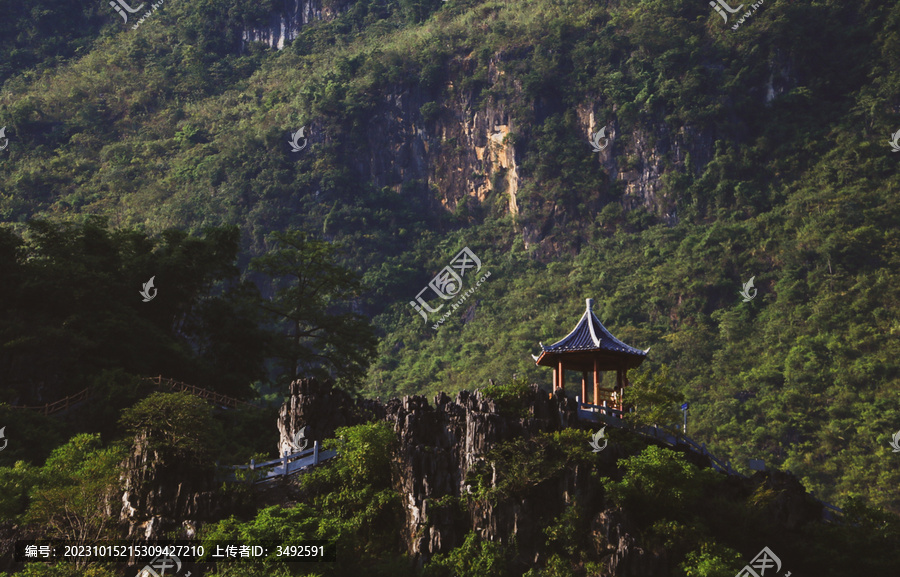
[(350, 503), (69, 494), (657, 484), (72, 309), (695, 516), (177, 423), (511, 397), (311, 288), (652, 400), (770, 148), (72, 317)]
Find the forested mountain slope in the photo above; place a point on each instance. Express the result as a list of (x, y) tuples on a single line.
[(433, 126)]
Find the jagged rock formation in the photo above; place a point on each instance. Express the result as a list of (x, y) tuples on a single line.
[(320, 408), (438, 446), (163, 491), (441, 443), (625, 556)]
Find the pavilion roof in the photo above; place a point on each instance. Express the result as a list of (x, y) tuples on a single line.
[(589, 335)]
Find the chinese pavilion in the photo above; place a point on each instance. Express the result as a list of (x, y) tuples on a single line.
[(590, 349)]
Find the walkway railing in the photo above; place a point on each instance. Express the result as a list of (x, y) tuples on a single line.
[(286, 465), (60, 405), (613, 417), (216, 398), (81, 396)]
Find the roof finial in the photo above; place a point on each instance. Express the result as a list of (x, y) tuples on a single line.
[(590, 304)]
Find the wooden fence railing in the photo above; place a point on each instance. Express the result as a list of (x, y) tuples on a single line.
[(72, 400), (216, 398), (57, 406)]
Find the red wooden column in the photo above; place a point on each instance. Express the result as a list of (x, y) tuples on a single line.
[(555, 380), (562, 377), (596, 382), (584, 378)]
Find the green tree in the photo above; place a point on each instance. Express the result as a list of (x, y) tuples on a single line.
[(711, 560), (658, 483), (76, 496), (78, 311), (655, 400), (348, 501), (178, 423), (17, 482), (474, 558), (313, 302)]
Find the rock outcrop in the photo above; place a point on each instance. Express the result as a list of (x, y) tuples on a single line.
[(284, 24), (443, 447), (438, 445), (163, 492)]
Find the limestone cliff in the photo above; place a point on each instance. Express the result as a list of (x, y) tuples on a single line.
[(442, 448), (163, 492), (286, 21), (467, 147)]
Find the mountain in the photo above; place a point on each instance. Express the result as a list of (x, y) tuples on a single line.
[(761, 151)]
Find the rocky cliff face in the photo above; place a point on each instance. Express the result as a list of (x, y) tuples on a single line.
[(285, 23), (443, 446), (471, 148), (439, 444), (163, 492)]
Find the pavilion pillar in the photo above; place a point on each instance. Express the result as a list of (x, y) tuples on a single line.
[(584, 378), (596, 382), (555, 380), (562, 377)]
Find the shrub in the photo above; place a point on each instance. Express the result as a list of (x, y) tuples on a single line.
[(474, 558), (176, 422), (658, 483), (511, 397)]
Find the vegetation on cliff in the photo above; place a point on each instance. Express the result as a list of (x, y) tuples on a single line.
[(760, 152)]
